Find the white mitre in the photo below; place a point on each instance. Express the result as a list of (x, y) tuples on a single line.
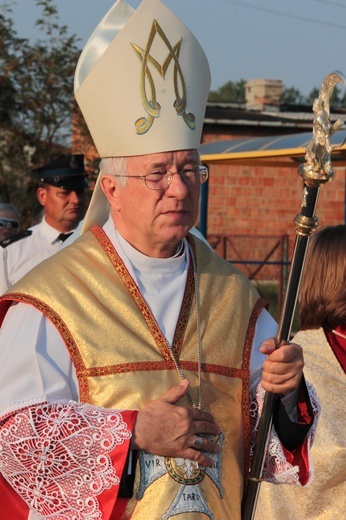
[(142, 83)]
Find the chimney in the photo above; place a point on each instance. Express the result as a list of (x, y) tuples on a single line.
[(263, 94)]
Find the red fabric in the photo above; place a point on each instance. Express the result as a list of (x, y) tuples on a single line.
[(119, 509), (338, 345), (12, 506), (111, 510), (304, 416), (299, 456), (4, 306)]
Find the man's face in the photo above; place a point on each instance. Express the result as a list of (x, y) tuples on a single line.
[(154, 221), (9, 223), (64, 209)]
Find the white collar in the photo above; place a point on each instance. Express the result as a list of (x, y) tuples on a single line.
[(143, 262)]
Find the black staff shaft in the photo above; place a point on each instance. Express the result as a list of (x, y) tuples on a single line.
[(315, 172), (305, 222)]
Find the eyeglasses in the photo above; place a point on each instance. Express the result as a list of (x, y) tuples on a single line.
[(160, 180), (4, 222)]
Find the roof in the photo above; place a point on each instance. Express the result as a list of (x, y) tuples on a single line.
[(291, 147), (291, 117)]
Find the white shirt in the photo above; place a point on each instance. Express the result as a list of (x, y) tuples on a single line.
[(32, 347), (21, 256)]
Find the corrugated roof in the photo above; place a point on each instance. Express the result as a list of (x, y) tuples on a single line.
[(291, 145), (290, 116)]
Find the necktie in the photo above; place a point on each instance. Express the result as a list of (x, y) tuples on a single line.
[(64, 236)]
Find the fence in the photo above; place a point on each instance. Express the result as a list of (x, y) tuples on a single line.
[(262, 258)]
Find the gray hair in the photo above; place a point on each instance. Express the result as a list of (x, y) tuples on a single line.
[(4, 206), (118, 166), (115, 166)]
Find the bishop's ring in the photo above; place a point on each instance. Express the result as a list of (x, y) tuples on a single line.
[(197, 442)]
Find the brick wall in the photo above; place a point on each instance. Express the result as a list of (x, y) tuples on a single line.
[(257, 200)]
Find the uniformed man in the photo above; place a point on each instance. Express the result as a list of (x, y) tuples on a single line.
[(62, 193), (9, 221)]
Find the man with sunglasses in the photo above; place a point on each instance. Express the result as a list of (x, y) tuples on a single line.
[(9, 221), (133, 362), (62, 194)]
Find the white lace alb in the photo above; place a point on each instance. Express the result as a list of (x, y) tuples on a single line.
[(56, 456)]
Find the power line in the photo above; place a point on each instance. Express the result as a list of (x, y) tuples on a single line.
[(336, 4), (287, 15)]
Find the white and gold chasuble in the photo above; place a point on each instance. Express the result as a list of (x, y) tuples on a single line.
[(122, 361), (325, 497)]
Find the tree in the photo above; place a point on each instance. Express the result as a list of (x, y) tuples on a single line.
[(230, 92), (234, 92), (292, 96), (9, 46), (36, 101)]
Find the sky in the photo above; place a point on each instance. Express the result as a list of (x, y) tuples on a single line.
[(296, 41)]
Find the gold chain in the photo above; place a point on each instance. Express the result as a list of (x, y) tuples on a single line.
[(199, 340)]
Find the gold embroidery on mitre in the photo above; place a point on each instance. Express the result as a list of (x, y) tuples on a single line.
[(151, 106)]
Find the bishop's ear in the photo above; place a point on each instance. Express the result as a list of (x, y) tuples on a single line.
[(109, 188)]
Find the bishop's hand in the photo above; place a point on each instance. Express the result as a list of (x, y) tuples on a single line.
[(170, 430), (283, 369)]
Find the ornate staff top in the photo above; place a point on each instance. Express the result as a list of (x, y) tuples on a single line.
[(318, 167), (316, 171)]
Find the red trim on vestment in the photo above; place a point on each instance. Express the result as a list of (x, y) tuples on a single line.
[(260, 304)]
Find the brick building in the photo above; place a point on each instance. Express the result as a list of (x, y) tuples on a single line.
[(254, 189), (251, 198)]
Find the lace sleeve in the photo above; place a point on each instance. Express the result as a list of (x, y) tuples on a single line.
[(58, 457), (277, 469)]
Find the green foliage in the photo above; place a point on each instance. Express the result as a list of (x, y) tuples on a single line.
[(41, 74), (36, 101), (234, 92), (312, 96), (38, 112), (230, 92), (292, 96)]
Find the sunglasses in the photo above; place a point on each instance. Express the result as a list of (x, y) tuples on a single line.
[(4, 222)]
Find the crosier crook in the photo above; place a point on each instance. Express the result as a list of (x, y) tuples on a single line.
[(315, 172)]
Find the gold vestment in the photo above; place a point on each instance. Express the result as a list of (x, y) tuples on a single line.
[(325, 497), (122, 360)]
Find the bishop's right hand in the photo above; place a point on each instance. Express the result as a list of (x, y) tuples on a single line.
[(169, 430)]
